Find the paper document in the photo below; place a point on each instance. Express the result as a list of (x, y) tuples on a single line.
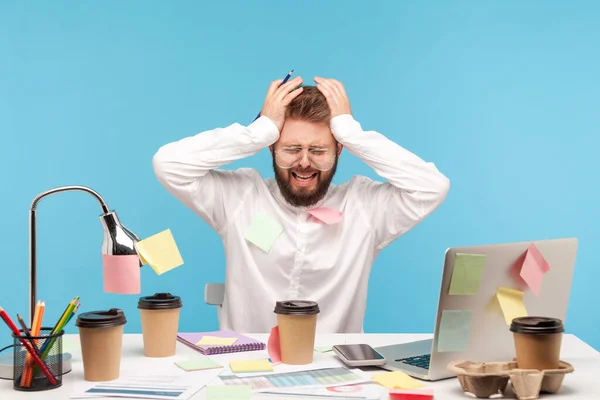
[(350, 392), (222, 392)]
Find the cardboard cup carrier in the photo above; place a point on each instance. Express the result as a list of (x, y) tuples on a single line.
[(101, 336), (160, 323), (297, 321)]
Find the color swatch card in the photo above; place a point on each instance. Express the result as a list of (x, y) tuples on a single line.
[(263, 232), (262, 365), (216, 341), (121, 274), (224, 392), (454, 330), (160, 252), (466, 276), (511, 302), (326, 215), (533, 269), (397, 379), (197, 364)]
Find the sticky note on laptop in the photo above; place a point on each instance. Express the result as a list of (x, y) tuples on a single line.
[(226, 392), (466, 276), (533, 269), (263, 231), (160, 252), (216, 341), (397, 379), (262, 365), (511, 302), (454, 330), (198, 363)]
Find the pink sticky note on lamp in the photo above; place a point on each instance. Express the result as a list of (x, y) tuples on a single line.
[(273, 346), (327, 215), (533, 269), (411, 394), (121, 274)]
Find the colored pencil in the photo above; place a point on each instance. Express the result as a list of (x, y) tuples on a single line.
[(59, 327), (35, 331), (27, 345), (28, 333), (287, 77)]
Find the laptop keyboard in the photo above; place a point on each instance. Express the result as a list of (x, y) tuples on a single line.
[(417, 361)]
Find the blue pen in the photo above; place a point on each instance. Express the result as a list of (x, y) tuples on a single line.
[(284, 81)]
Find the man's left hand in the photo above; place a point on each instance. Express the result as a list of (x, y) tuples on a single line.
[(335, 94)]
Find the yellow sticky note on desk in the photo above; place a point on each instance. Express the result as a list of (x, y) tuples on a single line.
[(397, 379), (160, 252), (216, 341), (251, 366), (511, 302)]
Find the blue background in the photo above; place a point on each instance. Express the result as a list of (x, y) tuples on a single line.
[(502, 96)]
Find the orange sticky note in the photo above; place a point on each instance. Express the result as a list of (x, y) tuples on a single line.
[(273, 346), (327, 215), (411, 394), (533, 269), (121, 274)]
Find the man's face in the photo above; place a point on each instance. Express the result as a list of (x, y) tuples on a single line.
[(305, 183)]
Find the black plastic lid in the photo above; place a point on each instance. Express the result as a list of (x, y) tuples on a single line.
[(101, 319), (537, 325), (296, 307), (160, 301)]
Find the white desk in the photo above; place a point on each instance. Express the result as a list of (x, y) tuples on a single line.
[(583, 384)]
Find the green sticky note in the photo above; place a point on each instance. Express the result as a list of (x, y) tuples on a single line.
[(263, 232), (223, 392), (454, 330), (323, 349), (199, 363), (466, 276)]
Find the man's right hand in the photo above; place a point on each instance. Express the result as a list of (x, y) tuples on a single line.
[(278, 98)]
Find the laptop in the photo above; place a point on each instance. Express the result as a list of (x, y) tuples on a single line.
[(490, 338)]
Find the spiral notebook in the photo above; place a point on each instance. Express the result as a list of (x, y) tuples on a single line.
[(243, 343)]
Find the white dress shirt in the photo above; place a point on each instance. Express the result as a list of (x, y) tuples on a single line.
[(310, 260)]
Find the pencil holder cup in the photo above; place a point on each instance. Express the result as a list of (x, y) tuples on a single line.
[(27, 375)]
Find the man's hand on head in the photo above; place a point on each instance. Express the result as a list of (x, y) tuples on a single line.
[(278, 98), (335, 94)]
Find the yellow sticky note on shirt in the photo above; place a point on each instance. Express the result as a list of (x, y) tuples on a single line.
[(511, 302), (216, 341), (397, 379), (251, 366), (160, 252)]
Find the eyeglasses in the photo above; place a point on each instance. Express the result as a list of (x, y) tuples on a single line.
[(319, 157)]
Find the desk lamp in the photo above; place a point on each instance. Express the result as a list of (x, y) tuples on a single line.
[(118, 240)]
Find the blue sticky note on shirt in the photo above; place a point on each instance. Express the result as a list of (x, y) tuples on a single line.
[(263, 231), (454, 330)]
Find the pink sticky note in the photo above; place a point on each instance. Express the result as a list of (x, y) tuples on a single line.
[(273, 346), (121, 274), (327, 215), (533, 269), (411, 394)]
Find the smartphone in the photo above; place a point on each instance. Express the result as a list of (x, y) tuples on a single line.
[(358, 355)]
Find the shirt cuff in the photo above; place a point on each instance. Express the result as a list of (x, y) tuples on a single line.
[(344, 126), (264, 128)]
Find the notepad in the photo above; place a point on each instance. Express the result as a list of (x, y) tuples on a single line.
[(243, 343), (262, 365)]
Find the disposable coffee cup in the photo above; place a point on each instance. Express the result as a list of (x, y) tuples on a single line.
[(537, 342), (160, 323), (297, 322), (101, 336)]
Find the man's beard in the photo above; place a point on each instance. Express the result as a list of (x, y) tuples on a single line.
[(302, 198)]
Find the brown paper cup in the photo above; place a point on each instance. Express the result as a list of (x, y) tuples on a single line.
[(101, 337), (159, 330), (297, 321), (537, 342), (160, 323)]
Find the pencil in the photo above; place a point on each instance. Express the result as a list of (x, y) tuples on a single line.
[(27, 332), (287, 77), (34, 332), (15, 330)]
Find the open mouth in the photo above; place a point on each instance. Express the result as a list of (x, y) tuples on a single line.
[(304, 179)]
